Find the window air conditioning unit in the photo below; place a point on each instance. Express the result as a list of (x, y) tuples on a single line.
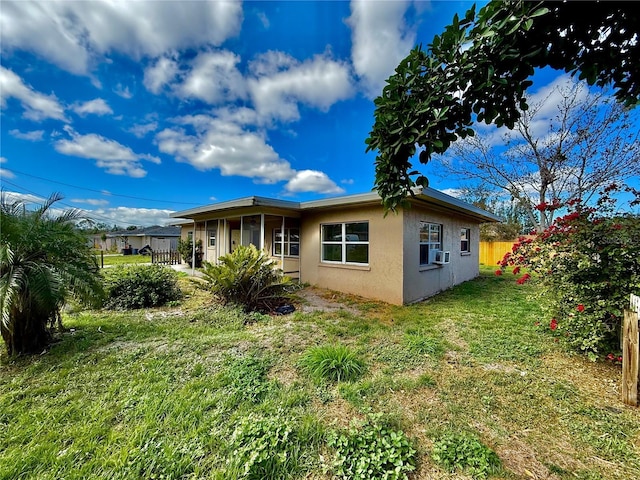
[(442, 258)]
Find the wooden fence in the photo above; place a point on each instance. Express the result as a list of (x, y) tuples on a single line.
[(631, 352), (166, 257), (492, 252)]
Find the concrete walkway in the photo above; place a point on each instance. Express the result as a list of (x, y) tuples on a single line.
[(185, 268)]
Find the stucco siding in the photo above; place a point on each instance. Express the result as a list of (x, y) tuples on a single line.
[(381, 279), (421, 282)]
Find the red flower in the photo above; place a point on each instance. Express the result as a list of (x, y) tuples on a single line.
[(516, 270), (498, 272), (611, 357), (542, 206), (553, 324), (617, 226), (580, 308), (523, 279)]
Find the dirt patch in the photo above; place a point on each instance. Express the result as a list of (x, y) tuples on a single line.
[(314, 299)]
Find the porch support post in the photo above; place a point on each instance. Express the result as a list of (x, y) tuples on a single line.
[(193, 250), (205, 242), (218, 241), (282, 244), (262, 231), (241, 228)]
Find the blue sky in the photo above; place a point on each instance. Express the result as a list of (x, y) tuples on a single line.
[(133, 110)]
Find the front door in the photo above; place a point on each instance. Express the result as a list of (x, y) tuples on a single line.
[(235, 239)]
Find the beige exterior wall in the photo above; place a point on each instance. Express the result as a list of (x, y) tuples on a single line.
[(381, 279), (425, 281)]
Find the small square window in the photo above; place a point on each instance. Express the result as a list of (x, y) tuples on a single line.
[(465, 240)]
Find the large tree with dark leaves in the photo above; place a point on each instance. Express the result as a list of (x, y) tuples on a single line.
[(479, 69), (44, 260)]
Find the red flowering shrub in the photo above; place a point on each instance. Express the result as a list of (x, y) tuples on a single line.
[(586, 264)]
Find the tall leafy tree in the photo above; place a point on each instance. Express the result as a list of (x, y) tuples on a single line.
[(570, 144), (479, 69), (44, 260)]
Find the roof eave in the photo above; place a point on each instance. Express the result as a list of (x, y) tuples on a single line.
[(238, 203)]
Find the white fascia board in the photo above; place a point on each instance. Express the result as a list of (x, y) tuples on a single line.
[(436, 196), (340, 201), (238, 203)]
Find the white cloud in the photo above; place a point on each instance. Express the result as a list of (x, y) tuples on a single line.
[(347, 181), (32, 136), (132, 216), (5, 173), (264, 19), (454, 192), (90, 201), (37, 106), (123, 91), (142, 129), (282, 82), (380, 38), (162, 72), (73, 34), (97, 106), (225, 146), (213, 78), (220, 143), (27, 198), (114, 157), (312, 181)]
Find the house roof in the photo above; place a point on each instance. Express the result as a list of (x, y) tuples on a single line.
[(427, 196), (154, 231)]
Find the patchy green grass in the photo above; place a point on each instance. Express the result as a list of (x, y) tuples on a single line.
[(198, 391)]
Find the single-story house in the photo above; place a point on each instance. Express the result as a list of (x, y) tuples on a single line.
[(348, 244), (157, 237)]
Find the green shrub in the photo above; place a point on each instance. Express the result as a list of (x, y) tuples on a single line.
[(586, 264), (267, 447), (464, 451), (185, 248), (372, 450), (140, 286), (332, 362), (249, 278)]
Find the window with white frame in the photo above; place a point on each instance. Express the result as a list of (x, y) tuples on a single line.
[(345, 243), (211, 234), (465, 240), (291, 242), (430, 242)]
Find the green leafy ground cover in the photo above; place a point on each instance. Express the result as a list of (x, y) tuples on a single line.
[(199, 391)]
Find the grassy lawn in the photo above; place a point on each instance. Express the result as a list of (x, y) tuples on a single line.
[(171, 393), (119, 259)]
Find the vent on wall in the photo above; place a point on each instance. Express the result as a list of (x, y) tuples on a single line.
[(442, 258)]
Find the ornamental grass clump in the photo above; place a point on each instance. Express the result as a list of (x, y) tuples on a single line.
[(249, 278), (334, 363)]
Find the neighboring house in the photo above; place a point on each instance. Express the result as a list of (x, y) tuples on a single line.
[(158, 238), (348, 244)]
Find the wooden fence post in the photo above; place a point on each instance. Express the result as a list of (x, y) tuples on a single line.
[(631, 353)]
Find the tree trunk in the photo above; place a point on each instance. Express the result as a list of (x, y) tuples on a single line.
[(28, 333)]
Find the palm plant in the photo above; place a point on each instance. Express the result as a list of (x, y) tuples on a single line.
[(247, 277), (44, 260)]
